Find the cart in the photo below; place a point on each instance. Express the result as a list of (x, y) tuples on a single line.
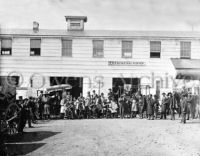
[(9, 114)]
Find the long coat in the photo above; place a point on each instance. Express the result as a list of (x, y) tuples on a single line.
[(141, 104), (164, 104), (184, 106), (150, 106)]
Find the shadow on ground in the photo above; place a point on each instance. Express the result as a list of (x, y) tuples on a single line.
[(22, 149), (31, 136), (27, 142)]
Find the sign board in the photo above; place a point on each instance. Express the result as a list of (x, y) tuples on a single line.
[(125, 63)]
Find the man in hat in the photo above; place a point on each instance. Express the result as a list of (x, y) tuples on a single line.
[(156, 106), (41, 105), (164, 106), (191, 106), (184, 108), (171, 105), (150, 107), (122, 102)]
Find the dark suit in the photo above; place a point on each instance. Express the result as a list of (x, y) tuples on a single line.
[(184, 110), (121, 106), (172, 107), (164, 107)]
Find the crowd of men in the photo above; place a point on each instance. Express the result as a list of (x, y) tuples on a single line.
[(127, 105)]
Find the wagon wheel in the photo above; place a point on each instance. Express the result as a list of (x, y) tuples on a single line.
[(12, 118)]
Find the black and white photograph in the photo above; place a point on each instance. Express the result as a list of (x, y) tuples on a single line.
[(100, 77)]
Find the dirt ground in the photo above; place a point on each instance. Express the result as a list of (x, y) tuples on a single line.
[(109, 137)]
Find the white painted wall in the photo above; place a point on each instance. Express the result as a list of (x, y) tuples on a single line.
[(82, 64)]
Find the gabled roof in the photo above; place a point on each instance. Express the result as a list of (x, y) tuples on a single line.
[(101, 33)]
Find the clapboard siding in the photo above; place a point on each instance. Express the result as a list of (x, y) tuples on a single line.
[(170, 49), (21, 47), (141, 49), (82, 62), (51, 47), (195, 54)]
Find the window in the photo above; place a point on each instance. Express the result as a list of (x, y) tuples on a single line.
[(35, 47), (185, 49), (12, 81), (6, 47), (75, 24), (98, 48), (155, 49), (127, 49), (66, 47)]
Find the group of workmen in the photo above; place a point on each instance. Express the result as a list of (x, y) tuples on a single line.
[(127, 105), (131, 105)]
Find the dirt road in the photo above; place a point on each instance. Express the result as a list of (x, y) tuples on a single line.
[(110, 137)]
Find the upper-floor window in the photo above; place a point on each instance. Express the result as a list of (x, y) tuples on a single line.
[(127, 49), (75, 24), (98, 48), (35, 45), (66, 47), (185, 49), (155, 49), (6, 46)]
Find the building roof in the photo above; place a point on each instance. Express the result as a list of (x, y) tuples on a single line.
[(84, 18), (101, 33)]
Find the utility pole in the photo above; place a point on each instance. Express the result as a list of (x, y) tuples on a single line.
[(99, 87)]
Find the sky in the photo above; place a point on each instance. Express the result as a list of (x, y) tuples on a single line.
[(167, 15)]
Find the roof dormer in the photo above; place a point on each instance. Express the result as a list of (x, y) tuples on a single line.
[(75, 22)]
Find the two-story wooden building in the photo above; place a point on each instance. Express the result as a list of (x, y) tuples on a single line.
[(100, 59)]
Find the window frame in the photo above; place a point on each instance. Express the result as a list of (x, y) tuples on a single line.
[(184, 51), (6, 49), (154, 52), (98, 50), (35, 50), (66, 39), (126, 50)]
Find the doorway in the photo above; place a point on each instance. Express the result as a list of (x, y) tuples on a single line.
[(120, 85), (75, 82)]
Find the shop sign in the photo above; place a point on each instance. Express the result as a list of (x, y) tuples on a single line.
[(126, 63)]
